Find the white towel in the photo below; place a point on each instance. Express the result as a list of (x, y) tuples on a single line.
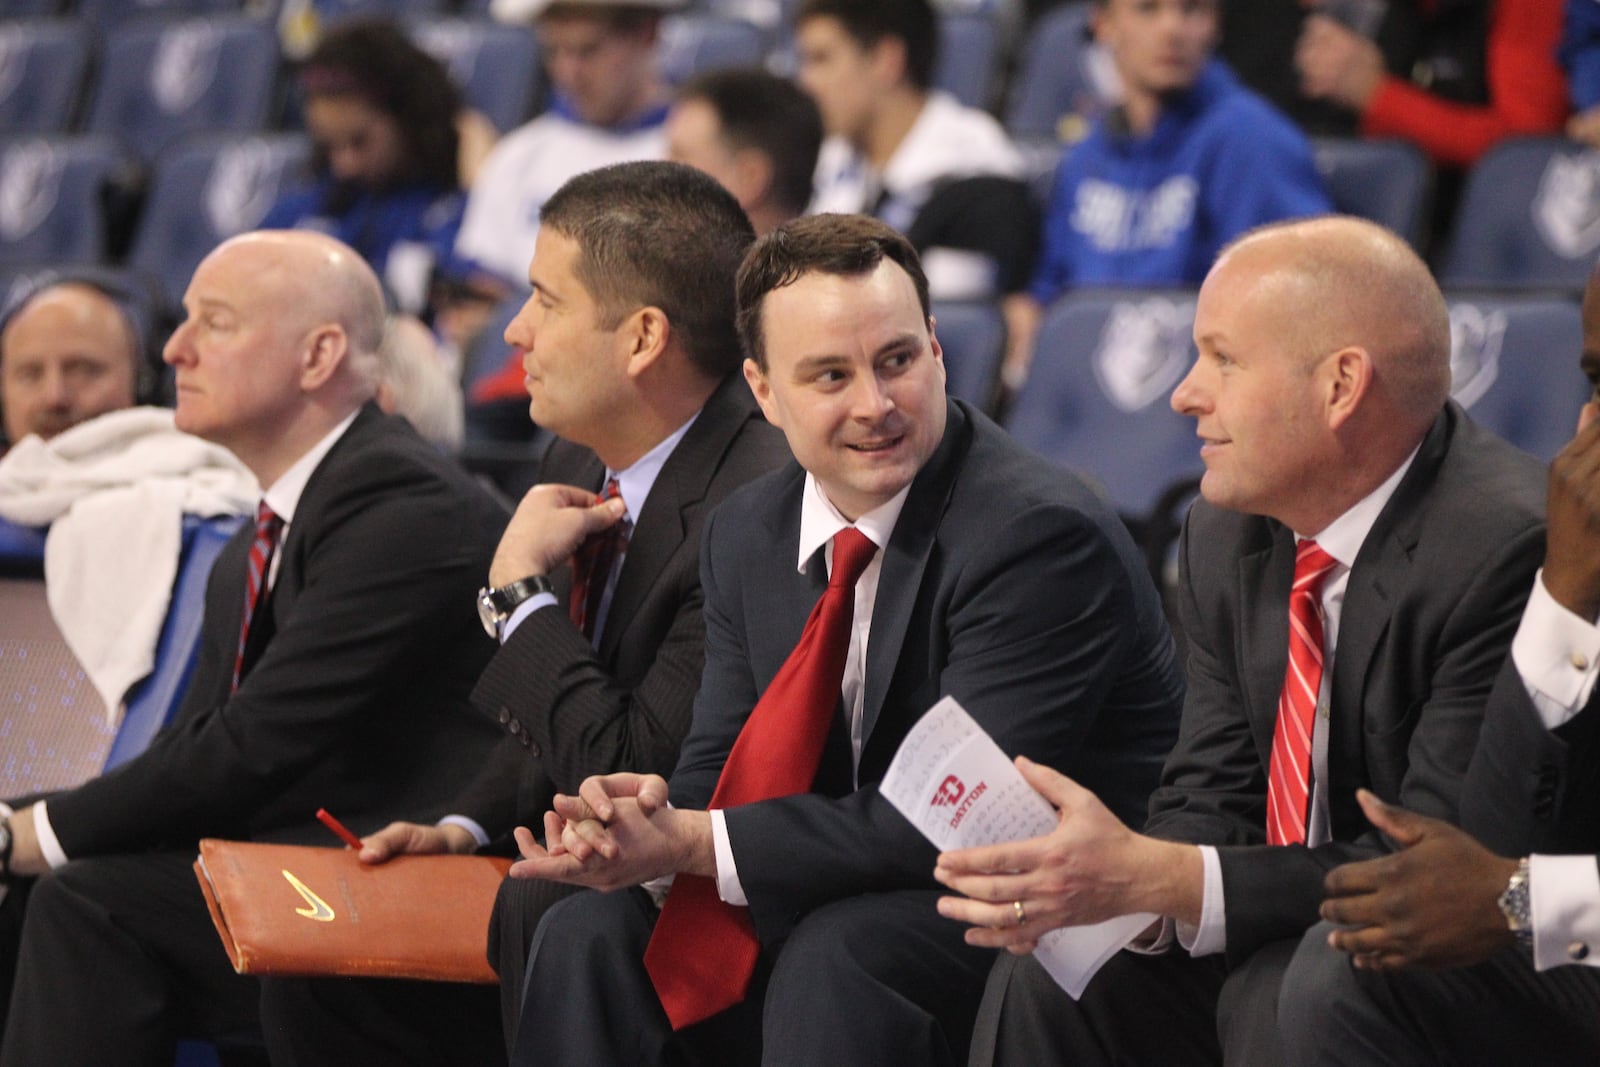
[(114, 491)]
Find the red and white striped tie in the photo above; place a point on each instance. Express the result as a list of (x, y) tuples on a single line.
[(268, 526), (1289, 775)]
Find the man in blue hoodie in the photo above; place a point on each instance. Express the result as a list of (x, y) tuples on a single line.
[(1188, 161)]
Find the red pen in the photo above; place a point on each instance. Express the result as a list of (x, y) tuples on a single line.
[(339, 828)]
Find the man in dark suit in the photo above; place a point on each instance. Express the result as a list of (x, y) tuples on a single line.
[(630, 351), (1446, 951), (1000, 580), (1321, 399), (347, 686)]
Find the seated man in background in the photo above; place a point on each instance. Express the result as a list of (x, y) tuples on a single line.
[(68, 352), (338, 650), (801, 877), (1189, 161), (630, 354), (1362, 658), (1430, 959), (756, 133)]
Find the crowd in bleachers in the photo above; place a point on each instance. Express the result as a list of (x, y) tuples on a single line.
[(1057, 182)]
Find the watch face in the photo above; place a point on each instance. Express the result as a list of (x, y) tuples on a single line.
[(488, 614)]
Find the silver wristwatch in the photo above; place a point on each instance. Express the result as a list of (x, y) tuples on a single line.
[(1516, 906), (496, 605)]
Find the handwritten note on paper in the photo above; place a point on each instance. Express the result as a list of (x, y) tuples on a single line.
[(954, 784)]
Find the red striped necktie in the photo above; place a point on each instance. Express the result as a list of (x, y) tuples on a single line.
[(268, 527), (703, 950), (591, 566), (1289, 774)]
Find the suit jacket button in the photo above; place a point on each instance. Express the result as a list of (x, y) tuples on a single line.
[(533, 747), (1578, 950), (505, 716)]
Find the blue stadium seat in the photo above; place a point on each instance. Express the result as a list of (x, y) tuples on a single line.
[(103, 15), (968, 51), (1514, 365), (162, 78), (1057, 81), (205, 190), (42, 68), (496, 66), (1096, 399), (22, 9), (52, 193), (331, 11), (692, 43), (1529, 217), (488, 351), (973, 336), (1387, 181)]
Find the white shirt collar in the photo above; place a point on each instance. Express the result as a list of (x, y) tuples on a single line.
[(1343, 537), (635, 483), (283, 495), (820, 520)]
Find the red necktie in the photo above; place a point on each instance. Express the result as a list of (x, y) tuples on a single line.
[(591, 566), (703, 951), (1289, 775), (268, 526)]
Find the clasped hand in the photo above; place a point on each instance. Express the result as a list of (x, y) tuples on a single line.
[(617, 832)]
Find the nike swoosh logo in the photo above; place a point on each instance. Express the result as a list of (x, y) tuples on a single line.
[(319, 910)]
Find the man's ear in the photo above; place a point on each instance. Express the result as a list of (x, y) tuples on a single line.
[(1348, 378), (325, 351), (889, 60), (646, 333), (756, 379)]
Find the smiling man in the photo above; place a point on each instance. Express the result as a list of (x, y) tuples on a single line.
[(1335, 467), (934, 557)]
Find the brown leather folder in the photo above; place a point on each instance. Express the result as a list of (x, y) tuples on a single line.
[(296, 910)]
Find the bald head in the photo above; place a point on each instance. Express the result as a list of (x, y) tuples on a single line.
[(67, 354), (279, 344), (1345, 282)]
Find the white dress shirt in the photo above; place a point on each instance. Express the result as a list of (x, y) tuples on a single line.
[(283, 497)]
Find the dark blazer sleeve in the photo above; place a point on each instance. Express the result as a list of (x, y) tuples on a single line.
[(359, 695)]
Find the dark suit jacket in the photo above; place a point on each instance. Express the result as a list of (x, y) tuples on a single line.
[(573, 710), (1432, 603), (354, 695), (1007, 584)]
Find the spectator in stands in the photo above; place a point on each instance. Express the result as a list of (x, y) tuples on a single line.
[(1045, 626), (1321, 394), (1473, 74), (908, 154), (1580, 55), (1188, 161), (381, 113), (630, 353), (756, 133), (68, 352), (337, 653), (1371, 991), (414, 381)]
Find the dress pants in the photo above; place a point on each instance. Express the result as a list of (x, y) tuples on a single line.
[(1170, 1009), (119, 959), (869, 980), (1500, 1011)]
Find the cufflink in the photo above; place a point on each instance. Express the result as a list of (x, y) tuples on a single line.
[(1580, 661), (1577, 951)]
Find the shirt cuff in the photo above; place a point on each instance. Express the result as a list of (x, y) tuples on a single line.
[(1564, 900), (1163, 940), (728, 887), (469, 825), (1211, 936), (49, 845), (523, 610), (1557, 653)]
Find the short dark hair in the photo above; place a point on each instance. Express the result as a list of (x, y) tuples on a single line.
[(661, 235), (373, 59), (870, 21), (772, 115), (849, 245)]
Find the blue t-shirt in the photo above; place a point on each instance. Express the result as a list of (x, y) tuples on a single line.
[(1155, 210)]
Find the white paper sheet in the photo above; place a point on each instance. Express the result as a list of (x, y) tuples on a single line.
[(954, 784)]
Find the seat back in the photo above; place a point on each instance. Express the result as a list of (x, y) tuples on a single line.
[(1096, 399), (1514, 365), (52, 196), (1529, 218), (692, 43), (973, 336), (495, 65), (969, 46), (1061, 76), (1389, 182), (42, 68), (205, 190), (162, 78)]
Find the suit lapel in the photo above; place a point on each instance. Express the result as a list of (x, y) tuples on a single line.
[(1265, 576)]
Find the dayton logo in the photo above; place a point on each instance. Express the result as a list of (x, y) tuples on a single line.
[(949, 791), (319, 910), (953, 792)]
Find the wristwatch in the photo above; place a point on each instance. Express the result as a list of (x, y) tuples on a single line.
[(496, 605), (1516, 906)]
